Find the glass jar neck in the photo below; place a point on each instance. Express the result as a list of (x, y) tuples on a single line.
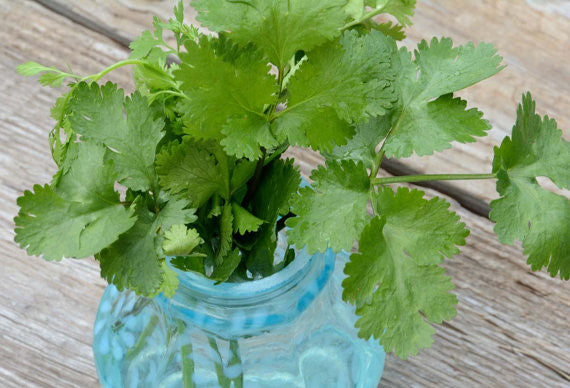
[(232, 310)]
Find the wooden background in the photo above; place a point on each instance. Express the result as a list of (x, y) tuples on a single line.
[(512, 327)]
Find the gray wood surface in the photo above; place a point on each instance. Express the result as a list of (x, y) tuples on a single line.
[(512, 325)]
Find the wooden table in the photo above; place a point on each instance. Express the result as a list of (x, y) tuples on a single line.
[(512, 327)]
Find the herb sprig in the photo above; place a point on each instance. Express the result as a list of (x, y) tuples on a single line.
[(198, 152)]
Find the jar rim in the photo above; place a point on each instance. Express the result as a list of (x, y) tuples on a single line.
[(267, 286)]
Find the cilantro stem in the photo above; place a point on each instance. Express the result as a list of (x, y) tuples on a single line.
[(380, 155), (218, 366), (236, 360), (171, 92), (187, 366), (429, 177), (365, 17), (101, 74)]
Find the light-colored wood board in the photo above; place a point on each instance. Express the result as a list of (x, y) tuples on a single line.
[(511, 322), (47, 309), (533, 38)]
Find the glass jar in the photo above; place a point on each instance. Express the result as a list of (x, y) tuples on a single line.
[(291, 329)]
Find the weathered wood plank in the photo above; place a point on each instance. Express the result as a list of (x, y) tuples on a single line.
[(511, 324), (531, 39), (47, 309)]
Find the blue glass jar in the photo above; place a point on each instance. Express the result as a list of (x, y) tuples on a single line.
[(290, 329)]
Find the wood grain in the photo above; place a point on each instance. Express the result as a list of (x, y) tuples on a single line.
[(512, 324), (47, 309), (534, 41)]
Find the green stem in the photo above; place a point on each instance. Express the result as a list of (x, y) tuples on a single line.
[(187, 367), (381, 153), (101, 74), (143, 337), (236, 360), (365, 17), (222, 379), (429, 177), (171, 92)]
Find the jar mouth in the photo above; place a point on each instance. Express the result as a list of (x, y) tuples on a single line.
[(278, 282)]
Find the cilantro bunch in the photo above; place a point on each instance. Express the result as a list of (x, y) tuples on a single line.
[(191, 166)]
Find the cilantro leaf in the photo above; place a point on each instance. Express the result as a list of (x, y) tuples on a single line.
[(223, 271), (225, 82), (77, 217), (246, 136), (180, 240), (141, 46), (395, 31), (406, 289), (267, 204), (423, 125), (525, 211), (280, 28), (98, 113), (333, 212), (395, 275), (441, 121), (135, 260), (343, 82), (190, 168), (362, 146), (244, 221), (226, 233), (50, 76), (402, 10), (170, 282), (355, 8)]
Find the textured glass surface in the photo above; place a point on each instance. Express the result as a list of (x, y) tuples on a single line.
[(287, 330)]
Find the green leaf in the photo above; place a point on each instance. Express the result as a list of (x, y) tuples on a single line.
[(50, 76), (402, 10), (170, 282), (180, 240), (135, 260), (396, 276), (246, 136), (526, 211), (223, 271), (425, 125), (279, 182), (442, 121), (242, 172), (225, 82), (77, 217), (355, 8), (362, 146), (193, 262), (244, 221), (407, 297), (333, 212), (341, 83), (189, 168), (280, 28), (226, 233), (395, 31), (98, 114), (141, 46), (423, 230)]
